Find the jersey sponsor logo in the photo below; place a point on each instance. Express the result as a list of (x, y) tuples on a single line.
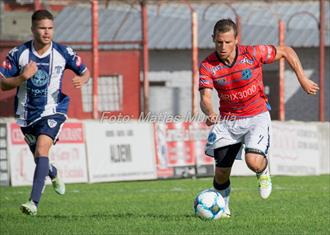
[(78, 61), (216, 69), (58, 69), (246, 74), (246, 61), (51, 123), (40, 78), (6, 64), (239, 95), (204, 82), (70, 51)]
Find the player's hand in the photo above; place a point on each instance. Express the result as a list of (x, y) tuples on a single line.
[(309, 86), (77, 82), (212, 119), (29, 70)]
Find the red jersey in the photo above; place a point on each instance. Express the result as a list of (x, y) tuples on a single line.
[(239, 85)]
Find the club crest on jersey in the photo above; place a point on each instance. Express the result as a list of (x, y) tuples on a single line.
[(211, 138), (40, 79), (51, 123), (246, 74)]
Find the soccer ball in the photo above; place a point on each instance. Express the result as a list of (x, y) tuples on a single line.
[(209, 204)]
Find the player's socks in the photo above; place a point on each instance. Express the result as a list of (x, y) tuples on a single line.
[(264, 183), (224, 190), (40, 173), (52, 169)]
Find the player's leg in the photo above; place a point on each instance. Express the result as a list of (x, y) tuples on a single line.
[(257, 143), (47, 130), (224, 158), (43, 145), (52, 126), (259, 164), (31, 139)]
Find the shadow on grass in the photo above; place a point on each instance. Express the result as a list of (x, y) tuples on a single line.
[(127, 215)]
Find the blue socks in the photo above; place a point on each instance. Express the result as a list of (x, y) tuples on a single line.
[(40, 173), (52, 173)]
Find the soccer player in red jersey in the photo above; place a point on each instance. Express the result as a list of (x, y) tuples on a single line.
[(235, 71)]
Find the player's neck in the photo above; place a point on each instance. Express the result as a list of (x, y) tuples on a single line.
[(41, 48), (230, 59)]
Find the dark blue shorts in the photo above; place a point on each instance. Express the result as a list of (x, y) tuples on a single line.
[(49, 125)]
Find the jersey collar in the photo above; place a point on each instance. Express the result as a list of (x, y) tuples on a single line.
[(228, 65), (49, 50)]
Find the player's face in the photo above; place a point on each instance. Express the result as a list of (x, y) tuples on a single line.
[(43, 31), (225, 44)]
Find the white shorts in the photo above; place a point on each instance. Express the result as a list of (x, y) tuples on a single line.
[(254, 132)]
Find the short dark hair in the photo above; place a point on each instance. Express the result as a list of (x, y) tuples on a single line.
[(223, 26), (41, 15)]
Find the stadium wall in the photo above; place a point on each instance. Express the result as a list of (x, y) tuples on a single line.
[(116, 97), (170, 76), (95, 151)]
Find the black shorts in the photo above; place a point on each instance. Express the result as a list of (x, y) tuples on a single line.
[(225, 156)]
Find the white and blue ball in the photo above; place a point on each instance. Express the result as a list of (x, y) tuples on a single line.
[(209, 204)]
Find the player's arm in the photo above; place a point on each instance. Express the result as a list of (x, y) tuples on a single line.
[(12, 82), (79, 81), (291, 57), (206, 106)]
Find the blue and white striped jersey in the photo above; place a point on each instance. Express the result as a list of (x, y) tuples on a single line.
[(42, 94)]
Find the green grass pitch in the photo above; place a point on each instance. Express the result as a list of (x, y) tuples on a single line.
[(298, 205)]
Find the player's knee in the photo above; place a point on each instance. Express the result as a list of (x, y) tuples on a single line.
[(255, 162), (42, 149), (222, 174)]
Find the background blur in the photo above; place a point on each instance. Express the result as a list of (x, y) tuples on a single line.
[(120, 69), (144, 57)]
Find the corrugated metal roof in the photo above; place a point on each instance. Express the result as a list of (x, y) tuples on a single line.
[(169, 24)]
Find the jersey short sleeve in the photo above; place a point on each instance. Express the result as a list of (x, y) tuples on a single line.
[(74, 62), (265, 54), (10, 67), (205, 77)]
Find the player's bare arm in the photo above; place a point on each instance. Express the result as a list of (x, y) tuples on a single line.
[(291, 57), (206, 106), (10, 83), (79, 81)]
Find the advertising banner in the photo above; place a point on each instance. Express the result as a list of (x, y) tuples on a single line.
[(68, 155), (295, 149), (180, 149), (120, 151)]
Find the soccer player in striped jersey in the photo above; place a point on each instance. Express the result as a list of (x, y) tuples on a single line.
[(235, 72), (35, 69)]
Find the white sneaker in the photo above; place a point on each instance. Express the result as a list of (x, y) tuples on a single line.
[(264, 184), (29, 208), (225, 193), (58, 185)]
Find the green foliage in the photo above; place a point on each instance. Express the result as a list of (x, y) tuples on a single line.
[(298, 205)]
